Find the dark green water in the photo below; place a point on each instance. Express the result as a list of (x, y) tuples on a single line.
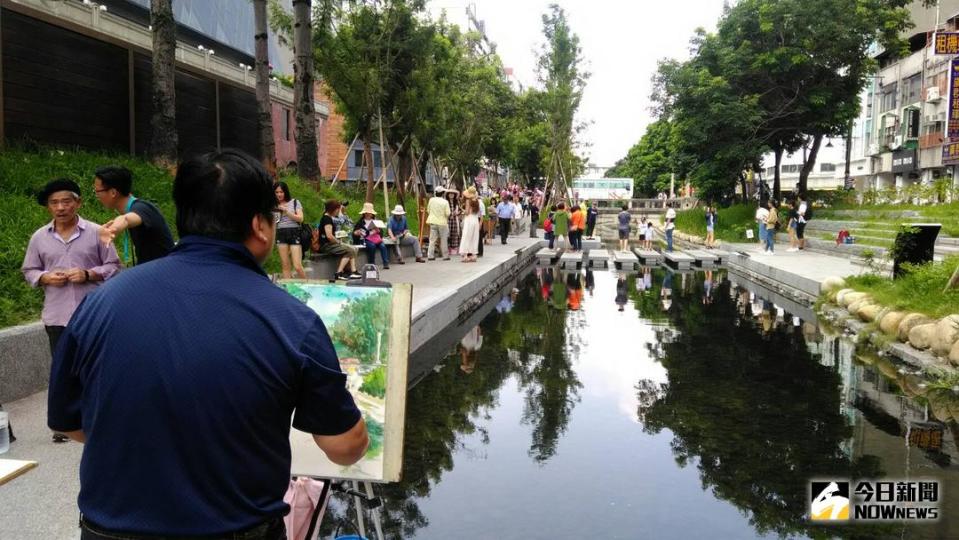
[(589, 405)]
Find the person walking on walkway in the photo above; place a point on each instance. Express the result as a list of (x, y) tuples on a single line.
[(591, 214), (761, 215), (368, 235), (772, 220), (289, 220), (331, 246), (623, 228), (504, 213), (67, 259), (145, 371), (141, 220), (670, 225), (454, 221), (710, 227), (793, 217), (470, 193), (561, 225), (437, 217), (469, 242), (399, 231), (803, 216), (577, 222)]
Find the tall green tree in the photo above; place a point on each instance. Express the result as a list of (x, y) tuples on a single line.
[(563, 80), (264, 110)]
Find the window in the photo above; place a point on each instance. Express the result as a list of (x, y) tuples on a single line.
[(357, 158), (287, 128), (790, 168), (827, 167), (911, 88), (912, 123), (887, 99)]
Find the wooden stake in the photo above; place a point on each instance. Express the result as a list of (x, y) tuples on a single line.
[(347, 157)]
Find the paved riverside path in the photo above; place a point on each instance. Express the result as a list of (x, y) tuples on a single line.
[(42, 504), (808, 264)]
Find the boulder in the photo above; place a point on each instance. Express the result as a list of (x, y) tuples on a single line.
[(913, 319), (947, 333), (832, 283), (869, 312), (841, 294), (921, 335), (852, 297), (853, 308), (889, 323), (954, 353)]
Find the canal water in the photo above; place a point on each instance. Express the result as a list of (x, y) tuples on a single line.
[(653, 405)]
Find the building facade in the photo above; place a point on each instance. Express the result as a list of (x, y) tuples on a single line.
[(79, 74)]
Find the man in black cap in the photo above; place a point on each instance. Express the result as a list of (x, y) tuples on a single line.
[(142, 221), (66, 258)]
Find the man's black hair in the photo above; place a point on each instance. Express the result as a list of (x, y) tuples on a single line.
[(218, 194), (285, 188), (53, 186), (118, 178)]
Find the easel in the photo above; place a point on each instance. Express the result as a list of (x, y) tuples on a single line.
[(374, 503)]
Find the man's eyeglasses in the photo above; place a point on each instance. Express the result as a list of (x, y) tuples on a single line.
[(98, 191)]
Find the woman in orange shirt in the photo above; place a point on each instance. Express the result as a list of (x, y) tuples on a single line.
[(577, 223)]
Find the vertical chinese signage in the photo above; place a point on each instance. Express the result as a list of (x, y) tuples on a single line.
[(953, 125), (947, 43)]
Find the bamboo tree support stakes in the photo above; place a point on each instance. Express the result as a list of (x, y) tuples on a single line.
[(345, 159), (383, 166), (953, 281)]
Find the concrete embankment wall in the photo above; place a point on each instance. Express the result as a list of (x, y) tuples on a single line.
[(25, 351)]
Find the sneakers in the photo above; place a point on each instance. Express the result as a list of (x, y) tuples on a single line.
[(421, 259), (792, 250), (348, 275)]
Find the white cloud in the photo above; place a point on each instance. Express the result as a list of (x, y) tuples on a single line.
[(621, 40)]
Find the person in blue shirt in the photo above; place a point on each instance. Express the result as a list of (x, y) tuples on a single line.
[(710, 227), (399, 231), (183, 376), (504, 213)]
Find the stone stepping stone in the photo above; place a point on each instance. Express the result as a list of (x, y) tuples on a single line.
[(649, 257), (679, 260), (546, 255), (571, 261), (625, 260), (704, 258), (598, 258)]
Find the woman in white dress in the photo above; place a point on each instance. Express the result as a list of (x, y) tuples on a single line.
[(469, 241)]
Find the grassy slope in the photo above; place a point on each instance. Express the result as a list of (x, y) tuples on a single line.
[(919, 291), (731, 223), (23, 173)]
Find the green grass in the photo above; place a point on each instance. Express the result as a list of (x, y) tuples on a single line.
[(24, 172), (881, 215), (919, 291), (731, 223)]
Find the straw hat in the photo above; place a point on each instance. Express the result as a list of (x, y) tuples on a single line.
[(470, 193), (438, 189), (368, 209), (399, 210)]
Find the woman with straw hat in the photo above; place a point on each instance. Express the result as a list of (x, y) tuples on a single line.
[(399, 232), (454, 219), (367, 234)]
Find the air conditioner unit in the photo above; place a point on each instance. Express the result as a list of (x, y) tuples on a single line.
[(932, 94), (897, 142)]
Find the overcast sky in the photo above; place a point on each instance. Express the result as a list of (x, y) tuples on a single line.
[(621, 42)]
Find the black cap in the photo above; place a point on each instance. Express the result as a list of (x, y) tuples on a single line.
[(53, 186)]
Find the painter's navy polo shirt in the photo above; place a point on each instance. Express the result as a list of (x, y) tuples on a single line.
[(183, 374)]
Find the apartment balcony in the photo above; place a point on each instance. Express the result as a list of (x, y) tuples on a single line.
[(930, 140)]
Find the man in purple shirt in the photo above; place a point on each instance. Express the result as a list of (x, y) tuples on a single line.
[(66, 258)]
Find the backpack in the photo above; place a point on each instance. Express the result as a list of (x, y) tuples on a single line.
[(808, 214), (548, 225), (306, 236)]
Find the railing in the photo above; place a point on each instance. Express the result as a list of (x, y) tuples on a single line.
[(650, 205)]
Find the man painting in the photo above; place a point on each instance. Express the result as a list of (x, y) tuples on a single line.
[(181, 377)]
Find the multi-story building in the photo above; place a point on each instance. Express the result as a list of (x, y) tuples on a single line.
[(898, 138), (827, 173), (78, 73)]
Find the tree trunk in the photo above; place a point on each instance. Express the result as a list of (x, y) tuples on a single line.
[(742, 184), (307, 163), (368, 156), (163, 135), (404, 171), (809, 163), (264, 109), (777, 182)]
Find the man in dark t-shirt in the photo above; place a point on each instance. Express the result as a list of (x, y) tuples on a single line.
[(145, 226)]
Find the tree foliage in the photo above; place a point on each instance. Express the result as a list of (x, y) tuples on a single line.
[(362, 323), (649, 162)]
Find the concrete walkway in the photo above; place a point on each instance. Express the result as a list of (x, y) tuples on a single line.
[(41, 505), (808, 264)]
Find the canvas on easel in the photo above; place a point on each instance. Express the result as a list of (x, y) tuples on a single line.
[(370, 329)]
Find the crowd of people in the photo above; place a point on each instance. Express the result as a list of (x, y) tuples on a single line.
[(768, 222)]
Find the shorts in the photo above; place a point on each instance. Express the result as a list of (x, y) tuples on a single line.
[(623, 234), (709, 228), (337, 249), (800, 230), (288, 235)]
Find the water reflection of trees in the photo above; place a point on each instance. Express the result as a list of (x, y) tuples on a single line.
[(756, 414), (529, 341)]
